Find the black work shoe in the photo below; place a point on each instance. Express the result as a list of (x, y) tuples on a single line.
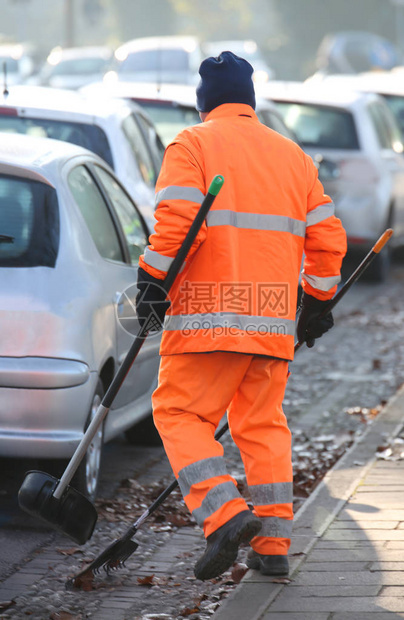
[(268, 564), (222, 545)]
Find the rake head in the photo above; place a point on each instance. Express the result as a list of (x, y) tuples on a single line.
[(112, 558)]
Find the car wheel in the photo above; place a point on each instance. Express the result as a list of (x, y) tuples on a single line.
[(144, 433), (86, 479)]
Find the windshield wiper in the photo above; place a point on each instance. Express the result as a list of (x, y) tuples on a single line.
[(6, 239)]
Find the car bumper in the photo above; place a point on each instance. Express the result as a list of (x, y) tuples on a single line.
[(44, 423)]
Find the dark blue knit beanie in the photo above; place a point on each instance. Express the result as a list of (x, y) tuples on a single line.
[(225, 79)]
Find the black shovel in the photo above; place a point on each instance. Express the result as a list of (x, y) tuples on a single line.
[(53, 500), (116, 554)]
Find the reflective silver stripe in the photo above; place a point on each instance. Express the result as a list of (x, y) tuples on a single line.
[(275, 527), (322, 284), (320, 213), (156, 260), (177, 192), (243, 322), (275, 493), (214, 500), (200, 471), (256, 221)]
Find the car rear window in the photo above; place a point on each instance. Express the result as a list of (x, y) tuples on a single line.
[(89, 137), (29, 223), (320, 126), (156, 60), (169, 118)]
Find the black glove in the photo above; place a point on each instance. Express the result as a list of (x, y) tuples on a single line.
[(309, 325), (151, 304)]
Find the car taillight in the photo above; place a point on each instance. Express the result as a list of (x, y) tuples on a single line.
[(8, 111), (358, 171)]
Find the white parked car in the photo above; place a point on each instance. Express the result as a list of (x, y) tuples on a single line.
[(70, 239), (172, 107), (74, 67), (120, 133), (387, 84), (173, 59), (359, 134)]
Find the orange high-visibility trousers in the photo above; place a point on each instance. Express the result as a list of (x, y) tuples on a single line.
[(195, 390)]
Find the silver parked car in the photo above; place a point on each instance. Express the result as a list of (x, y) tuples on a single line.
[(120, 133), (70, 239), (358, 133)]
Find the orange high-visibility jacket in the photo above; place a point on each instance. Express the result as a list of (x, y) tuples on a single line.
[(238, 289)]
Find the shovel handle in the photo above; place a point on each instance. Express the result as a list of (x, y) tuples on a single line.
[(380, 243), (126, 365)]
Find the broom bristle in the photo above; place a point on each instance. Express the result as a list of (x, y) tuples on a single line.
[(112, 558)]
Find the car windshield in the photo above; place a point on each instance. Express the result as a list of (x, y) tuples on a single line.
[(169, 119), (29, 223), (88, 136), (320, 126), (156, 60)]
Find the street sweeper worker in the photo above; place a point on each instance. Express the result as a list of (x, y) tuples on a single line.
[(229, 328)]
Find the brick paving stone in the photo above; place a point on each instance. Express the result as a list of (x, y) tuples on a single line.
[(377, 615), (334, 603), (378, 488), (21, 579), (322, 578), (393, 591), (374, 525), (364, 535), (333, 590), (357, 514), (387, 566), (115, 604), (7, 594), (297, 616), (327, 566), (354, 544), (389, 501), (366, 555)]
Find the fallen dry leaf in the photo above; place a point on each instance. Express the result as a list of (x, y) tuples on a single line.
[(64, 615), (188, 611), (70, 551), (238, 572), (84, 582), (145, 581), (281, 580), (6, 605)]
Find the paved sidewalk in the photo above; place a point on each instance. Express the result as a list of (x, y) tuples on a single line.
[(347, 553)]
